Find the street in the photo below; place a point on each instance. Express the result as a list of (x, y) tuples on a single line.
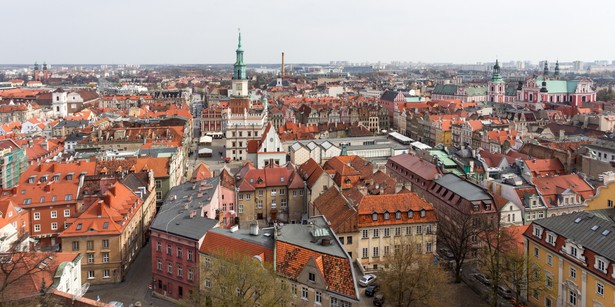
[(134, 288)]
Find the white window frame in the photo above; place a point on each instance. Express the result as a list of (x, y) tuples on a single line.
[(66, 212), (37, 216)]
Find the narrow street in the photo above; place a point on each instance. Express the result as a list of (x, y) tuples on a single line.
[(136, 286)]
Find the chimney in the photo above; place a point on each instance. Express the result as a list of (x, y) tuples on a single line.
[(282, 72)]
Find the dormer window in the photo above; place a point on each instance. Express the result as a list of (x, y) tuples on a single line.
[(374, 216), (601, 264), (44, 178), (69, 176), (537, 231), (386, 216), (410, 214), (398, 215), (422, 213), (31, 179), (56, 177), (551, 237), (281, 179)]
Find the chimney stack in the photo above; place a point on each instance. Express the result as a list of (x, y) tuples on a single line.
[(282, 72)]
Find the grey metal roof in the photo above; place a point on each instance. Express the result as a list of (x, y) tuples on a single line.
[(581, 232), (174, 217), (300, 235), (463, 188)]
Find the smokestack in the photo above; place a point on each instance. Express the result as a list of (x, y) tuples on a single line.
[(282, 65)]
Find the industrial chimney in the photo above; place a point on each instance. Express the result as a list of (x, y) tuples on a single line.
[(282, 75)]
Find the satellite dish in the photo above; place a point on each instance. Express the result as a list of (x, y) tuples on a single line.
[(83, 290)]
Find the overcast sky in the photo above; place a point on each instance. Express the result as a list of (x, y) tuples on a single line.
[(315, 31)]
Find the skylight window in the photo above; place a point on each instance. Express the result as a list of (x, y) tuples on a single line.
[(577, 220), (606, 232), (106, 225), (79, 226), (595, 227)]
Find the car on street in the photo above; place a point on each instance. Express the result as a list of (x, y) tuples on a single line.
[(379, 299), (504, 292), (446, 253), (482, 278), (367, 280), (371, 290)]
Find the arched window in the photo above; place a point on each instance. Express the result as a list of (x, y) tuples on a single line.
[(374, 216)]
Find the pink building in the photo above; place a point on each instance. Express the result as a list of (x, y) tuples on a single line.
[(176, 234)]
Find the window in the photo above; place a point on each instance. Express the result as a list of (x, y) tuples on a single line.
[(387, 232), (169, 249), (375, 254), (283, 203), (549, 282), (364, 234), (282, 191), (386, 216), (207, 283), (91, 275), (376, 233), (609, 203), (247, 196), (548, 302), (304, 293), (68, 197), (535, 251), (27, 201), (348, 240), (293, 289), (600, 289), (419, 230), (37, 227), (180, 252), (572, 297), (374, 216), (106, 273), (158, 195), (90, 245), (301, 192), (240, 196), (37, 216), (42, 199), (410, 214), (240, 208), (67, 213), (341, 240), (105, 243), (429, 247), (573, 251), (551, 239), (170, 268), (422, 213), (158, 246), (294, 193), (428, 229), (158, 184), (600, 265), (180, 271), (397, 215), (189, 256), (90, 258), (573, 273), (75, 245), (549, 259), (365, 251), (105, 257), (54, 226), (318, 298), (312, 277), (190, 274)]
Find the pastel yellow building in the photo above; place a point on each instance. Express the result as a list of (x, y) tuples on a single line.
[(576, 253), (604, 198)]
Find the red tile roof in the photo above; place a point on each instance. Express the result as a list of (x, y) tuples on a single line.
[(215, 242)]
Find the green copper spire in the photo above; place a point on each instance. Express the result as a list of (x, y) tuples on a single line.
[(239, 68), (35, 65), (496, 77), (546, 69)]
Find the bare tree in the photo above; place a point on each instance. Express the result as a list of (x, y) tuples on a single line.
[(525, 275), (17, 266), (459, 235), (239, 280), (412, 278)]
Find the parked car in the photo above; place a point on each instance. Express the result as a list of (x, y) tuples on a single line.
[(379, 299), (504, 292), (116, 304), (367, 280), (482, 278), (446, 253), (371, 290)]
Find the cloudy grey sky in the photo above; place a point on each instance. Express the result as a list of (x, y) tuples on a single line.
[(315, 31)]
